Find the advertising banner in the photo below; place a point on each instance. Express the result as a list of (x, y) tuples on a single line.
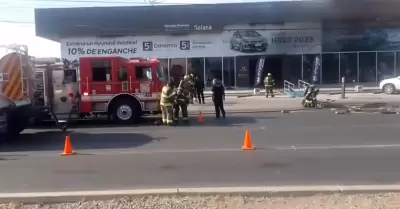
[(234, 40), (259, 71), (316, 70)]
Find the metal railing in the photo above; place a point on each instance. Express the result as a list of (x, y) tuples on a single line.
[(302, 85), (288, 87)]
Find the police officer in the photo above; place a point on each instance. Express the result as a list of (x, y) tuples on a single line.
[(166, 103), (199, 86), (193, 86), (269, 84), (218, 97), (181, 104)]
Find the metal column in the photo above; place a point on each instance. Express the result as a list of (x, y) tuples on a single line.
[(395, 64), (186, 62), (376, 67), (168, 69), (302, 66), (204, 70), (234, 69), (222, 70), (339, 69), (358, 67)]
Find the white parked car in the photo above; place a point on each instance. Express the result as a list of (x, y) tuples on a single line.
[(390, 85)]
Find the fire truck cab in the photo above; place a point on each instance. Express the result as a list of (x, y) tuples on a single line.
[(123, 89)]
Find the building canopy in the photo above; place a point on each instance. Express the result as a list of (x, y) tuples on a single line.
[(56, 23)]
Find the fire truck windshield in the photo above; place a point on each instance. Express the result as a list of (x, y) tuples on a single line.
[(161, 73)]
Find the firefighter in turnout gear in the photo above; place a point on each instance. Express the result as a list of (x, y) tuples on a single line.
[(166, 103), (181, 103), (269, 84), (189, 86), (310, 96)]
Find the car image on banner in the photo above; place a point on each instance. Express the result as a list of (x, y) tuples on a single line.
[(248, 41)]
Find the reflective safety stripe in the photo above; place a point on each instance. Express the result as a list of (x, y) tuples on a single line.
[(166, 96), (185, 118), (166, 104), (170, 121)]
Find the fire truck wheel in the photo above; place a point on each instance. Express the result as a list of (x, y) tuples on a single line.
[(16, 126), (126, 111)]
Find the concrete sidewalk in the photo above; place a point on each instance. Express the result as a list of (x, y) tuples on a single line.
[(233, 104), (245, 105), (241, 92)]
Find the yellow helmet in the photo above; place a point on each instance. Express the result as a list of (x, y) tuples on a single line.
[(186, 77), (269, 74)]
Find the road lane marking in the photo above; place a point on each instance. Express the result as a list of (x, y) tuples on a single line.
[(338, 147), (183, 151)]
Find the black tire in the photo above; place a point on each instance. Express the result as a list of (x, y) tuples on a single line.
[(17, 125), (389, 88), (126, 111)]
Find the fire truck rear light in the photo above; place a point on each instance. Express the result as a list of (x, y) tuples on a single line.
[(85, 94)]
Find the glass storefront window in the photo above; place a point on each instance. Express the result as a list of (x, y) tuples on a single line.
[(349, 67), (177, 68), (195, 66), (330, 68), (229, 71), (213, 69), (367, 67), (164, 63), (291, 68), (385, 65)]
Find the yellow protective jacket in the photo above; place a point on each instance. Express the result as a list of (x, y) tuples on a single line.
[(167, 96)]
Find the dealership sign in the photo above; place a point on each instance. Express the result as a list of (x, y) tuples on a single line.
[(237, 42)]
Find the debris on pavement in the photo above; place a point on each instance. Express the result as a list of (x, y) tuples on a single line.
[(334, 201)]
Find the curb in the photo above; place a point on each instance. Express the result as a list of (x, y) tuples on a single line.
[(251, 111), (280, 191)]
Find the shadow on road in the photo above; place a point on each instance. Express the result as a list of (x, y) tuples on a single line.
[(95, 123), (54, 140)]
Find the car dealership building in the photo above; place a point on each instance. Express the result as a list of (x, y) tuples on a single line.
[(356, 39)]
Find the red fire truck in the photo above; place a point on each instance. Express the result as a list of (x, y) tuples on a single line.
[(123, 89)]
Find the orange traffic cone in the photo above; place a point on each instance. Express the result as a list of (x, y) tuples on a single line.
[(201, 119), (68, 147), (247, 145)]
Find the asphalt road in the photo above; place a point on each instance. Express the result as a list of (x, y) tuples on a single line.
[(292, 149)]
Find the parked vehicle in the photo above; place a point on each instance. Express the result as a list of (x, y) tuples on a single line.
[(123, 89), (17, 87), (390, 85)]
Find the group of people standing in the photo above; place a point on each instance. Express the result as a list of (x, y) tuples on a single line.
[(175, 99)]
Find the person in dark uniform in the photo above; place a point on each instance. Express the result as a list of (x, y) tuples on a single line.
[(218, 97), (199, 85)]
